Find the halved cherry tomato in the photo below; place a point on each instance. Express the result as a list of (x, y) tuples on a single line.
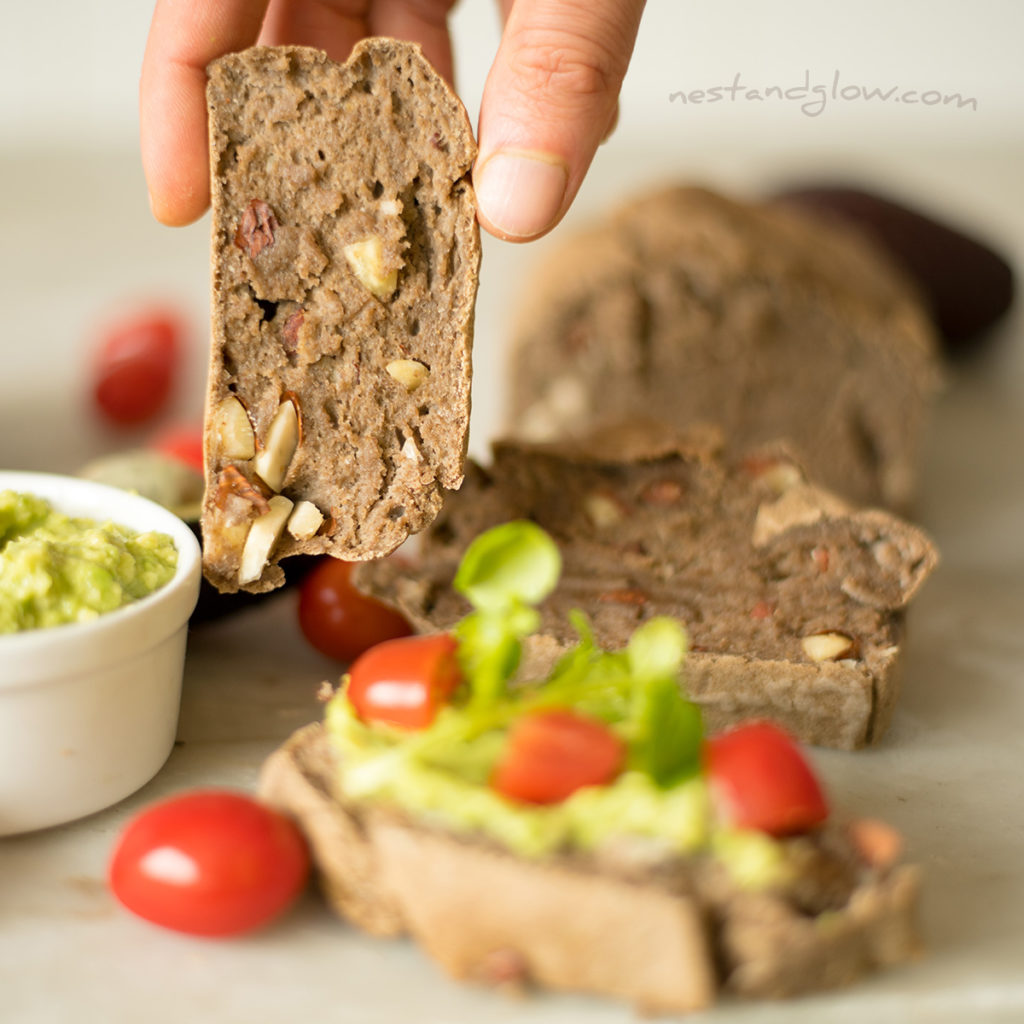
[(405, 682), (551, 754), (337, 619), (761, 780), (210, 862), (135, 367), (182, 443)]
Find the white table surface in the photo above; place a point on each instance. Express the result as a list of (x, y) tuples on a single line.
[(78, 242)]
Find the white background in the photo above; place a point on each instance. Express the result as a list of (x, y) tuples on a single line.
[(70, 67)]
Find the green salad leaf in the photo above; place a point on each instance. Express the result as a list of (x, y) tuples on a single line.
[(445, 771), (636, 691), (503, 573), (515, 563), (667, 728), (588, 679), (657, 648), (668, 732), (490, 648)]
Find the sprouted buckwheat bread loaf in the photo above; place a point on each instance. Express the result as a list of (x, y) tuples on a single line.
[(345, 263), (687, 306), (794, 600)]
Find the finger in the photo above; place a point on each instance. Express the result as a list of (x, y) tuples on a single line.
[(423, 21), (334, 26), (184, 36), (549, 100), (613, 123), (505, 7)]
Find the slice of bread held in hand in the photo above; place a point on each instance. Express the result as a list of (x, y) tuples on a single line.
[(345, 263), (793, 600)]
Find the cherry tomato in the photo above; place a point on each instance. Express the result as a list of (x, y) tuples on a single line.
[(182, 443), (405, 682), (551, 754), (210, 862), (337, 619), (136, 365), (761, 780)]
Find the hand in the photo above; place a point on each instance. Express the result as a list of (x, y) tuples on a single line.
[(550, 98)]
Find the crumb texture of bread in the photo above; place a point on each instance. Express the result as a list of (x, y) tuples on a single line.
[(793, 600), (570, 930), (665, 940), (345, 264), (689, 307)]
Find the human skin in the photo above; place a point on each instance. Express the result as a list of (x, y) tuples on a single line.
[(550, 98)]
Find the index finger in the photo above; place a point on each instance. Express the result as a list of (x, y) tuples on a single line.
[(184, 36)]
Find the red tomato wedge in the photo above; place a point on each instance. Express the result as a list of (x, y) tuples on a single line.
[(551, 754), (761, 780), (182, 443), (209, 862), (337, 619), (405, 682), (135, 367)]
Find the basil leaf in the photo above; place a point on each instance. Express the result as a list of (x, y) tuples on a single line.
[(513, 563)]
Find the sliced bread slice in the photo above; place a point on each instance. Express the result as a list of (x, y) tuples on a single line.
[(793, 600), (345, 264)]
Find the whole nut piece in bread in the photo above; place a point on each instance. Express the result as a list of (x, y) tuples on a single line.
[(792, 599), (687, 306), (345, 263), (663, 938)]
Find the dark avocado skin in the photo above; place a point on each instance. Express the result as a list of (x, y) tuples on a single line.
[(966, 284), (213, 606)]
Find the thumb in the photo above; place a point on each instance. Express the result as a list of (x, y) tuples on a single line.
[(550, 99)]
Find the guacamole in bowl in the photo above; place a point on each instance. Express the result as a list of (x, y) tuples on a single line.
[(96, 589), (57, 568)]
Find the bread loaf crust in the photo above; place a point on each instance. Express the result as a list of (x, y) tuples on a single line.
[(345, 265), (689, 306)]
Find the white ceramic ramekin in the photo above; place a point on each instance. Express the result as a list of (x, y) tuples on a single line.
[(88, 711)]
